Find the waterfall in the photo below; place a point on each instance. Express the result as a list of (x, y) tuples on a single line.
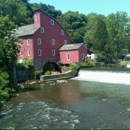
[(104, 76)]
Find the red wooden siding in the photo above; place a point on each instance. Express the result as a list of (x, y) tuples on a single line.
[(75, 55), (50, 32), (26, 47)]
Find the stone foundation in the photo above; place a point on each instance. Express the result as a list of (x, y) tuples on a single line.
[(39, 63)]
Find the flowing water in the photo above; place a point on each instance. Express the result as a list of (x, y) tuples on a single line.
[(93, 100)]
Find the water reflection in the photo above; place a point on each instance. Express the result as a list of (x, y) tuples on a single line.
[(72, 105)]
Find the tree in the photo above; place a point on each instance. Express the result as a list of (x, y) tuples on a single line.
[(96, 36), (4, 85), (50, 10), (8, 47), (74, 23), (118, 31), (19, 11)]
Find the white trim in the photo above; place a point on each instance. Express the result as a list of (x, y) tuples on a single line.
[(53, 41), (53, 52), (82, 56), (39, 52), (68, 56), (62, 32), (42, 30), (39, 41), (52, 22), (28, 52), (65, 42), (28, 41), (36, 16), (21, 53)]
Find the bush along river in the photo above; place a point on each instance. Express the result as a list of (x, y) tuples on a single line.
[(93, 100)]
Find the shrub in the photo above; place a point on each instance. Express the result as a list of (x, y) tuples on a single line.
[(27, 63), (48, 72), (87, 63), (4, 83), (73, 66)]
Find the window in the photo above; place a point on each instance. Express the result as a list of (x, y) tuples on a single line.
[(52, 22), (68, 57), (65, 42), (21, 53), (39, 52), (28, 52), (39, 41), (53, 42), (62, 32), (36, 16), (82, 56), (28, 41), (53, 52), (42, 30)]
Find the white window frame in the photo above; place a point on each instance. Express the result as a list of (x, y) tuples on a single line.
[(53, 52), (68, 56), (62, 32), (53, 41), (82, 56), (21, 53), (52, 22), (36, 16), (39, 52), (28, 41), (42, 30), (65, 42), (28, 52), (39, 41)]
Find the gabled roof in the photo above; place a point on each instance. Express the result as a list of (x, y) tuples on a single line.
[(27, 30), (51, 18), (67, 47)]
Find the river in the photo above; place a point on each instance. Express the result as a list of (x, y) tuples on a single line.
[(93, 100)]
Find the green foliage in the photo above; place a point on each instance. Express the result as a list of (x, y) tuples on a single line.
[(87, 63), (4, 82), (26, 63), (50, 10), (37, 74), (75, 24), (96, 35), (19, 11), (73, 66), (118, 31), (48, 72)]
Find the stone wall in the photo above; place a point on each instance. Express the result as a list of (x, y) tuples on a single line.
[(39, 63), (24, 74), (66, 75)]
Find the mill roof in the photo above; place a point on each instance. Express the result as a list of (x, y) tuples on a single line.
[(71, 47), (27, 30)]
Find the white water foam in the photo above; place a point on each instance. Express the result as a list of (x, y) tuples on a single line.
[(104, 76)]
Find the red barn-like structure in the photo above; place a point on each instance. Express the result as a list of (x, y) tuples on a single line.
[(73, 53), (43, 39)]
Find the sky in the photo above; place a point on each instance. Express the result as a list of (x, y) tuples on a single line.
[(104, 7)]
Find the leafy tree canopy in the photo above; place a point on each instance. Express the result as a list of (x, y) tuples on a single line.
[(19, 11)]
